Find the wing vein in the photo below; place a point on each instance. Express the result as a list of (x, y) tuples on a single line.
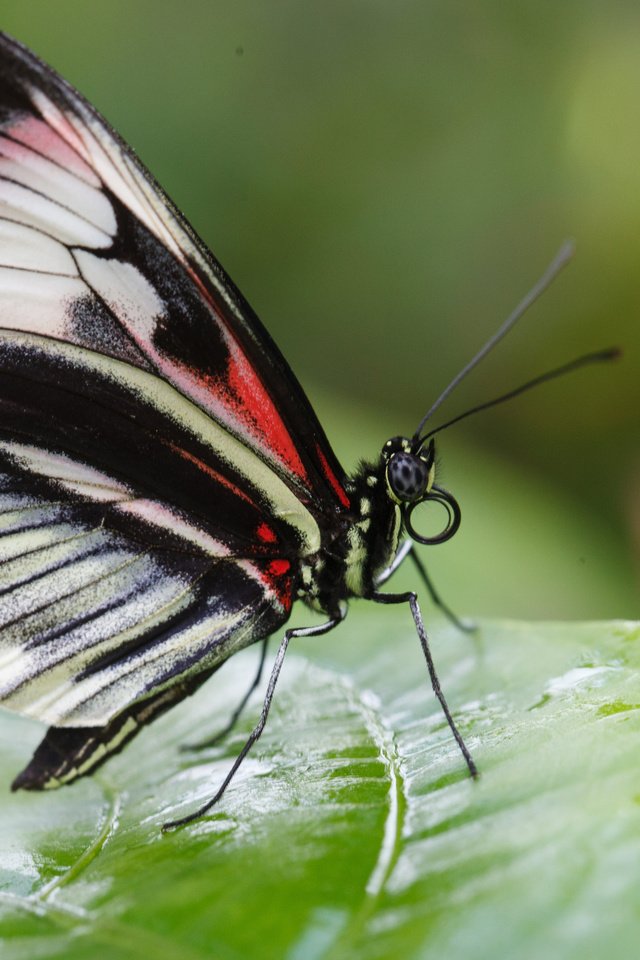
[(38, 272), (75, 592), (31, 226), (57, 203)]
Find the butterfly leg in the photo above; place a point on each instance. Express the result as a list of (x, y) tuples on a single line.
[(221, 734), (465, 626), (412, 600), (259, 727), (397, 561), (408, 548)]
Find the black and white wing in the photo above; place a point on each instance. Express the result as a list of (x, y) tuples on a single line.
[(161, 471)]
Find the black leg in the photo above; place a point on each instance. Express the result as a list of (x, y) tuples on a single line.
[(437, 599), (408, 548), (259, 727), (221, 734), (412, 600)]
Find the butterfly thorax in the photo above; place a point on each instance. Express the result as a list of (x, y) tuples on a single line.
[(382, 497), (348, 565)]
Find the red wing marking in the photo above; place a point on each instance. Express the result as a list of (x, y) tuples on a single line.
[(218, 477), (265, 533), (276, 576), (333, 480), (245, 397), (245, 400), (280, 579)]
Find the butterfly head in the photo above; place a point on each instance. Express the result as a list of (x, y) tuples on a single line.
[(410, 472)]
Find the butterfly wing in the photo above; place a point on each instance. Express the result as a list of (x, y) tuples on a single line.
[(114, 601), (67, 753), (94, 253), (161, 470)]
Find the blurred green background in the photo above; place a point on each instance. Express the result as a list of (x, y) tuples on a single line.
[(384, 181)]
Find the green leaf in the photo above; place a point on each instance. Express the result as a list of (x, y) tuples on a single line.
[(352, 830)]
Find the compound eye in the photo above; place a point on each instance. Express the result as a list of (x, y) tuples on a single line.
[(407, 476)]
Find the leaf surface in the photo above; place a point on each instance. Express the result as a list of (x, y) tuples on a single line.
[(352, 830)]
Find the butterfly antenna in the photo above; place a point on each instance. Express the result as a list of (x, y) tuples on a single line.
[(560, 260), (601, 356)]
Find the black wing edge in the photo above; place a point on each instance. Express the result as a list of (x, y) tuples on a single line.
[(68, 753)]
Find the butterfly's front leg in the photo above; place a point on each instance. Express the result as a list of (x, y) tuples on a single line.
[(467, 626), (407, 549)]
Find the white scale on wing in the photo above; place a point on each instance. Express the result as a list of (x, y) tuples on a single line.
[(123, 601), (94, 485), (19, 203), (70, 474), (24, 542), (52, 694), (92, 701), (42, 591), (35, 230), (128, 294), (118, 172), (38, 560), (25, 248), (72, 594)]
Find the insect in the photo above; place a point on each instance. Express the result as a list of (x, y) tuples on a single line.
[(166, 489)]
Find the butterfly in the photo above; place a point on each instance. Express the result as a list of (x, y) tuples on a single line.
[(166, 490)]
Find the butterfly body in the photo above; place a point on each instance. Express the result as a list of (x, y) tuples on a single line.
[(366, 544)]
